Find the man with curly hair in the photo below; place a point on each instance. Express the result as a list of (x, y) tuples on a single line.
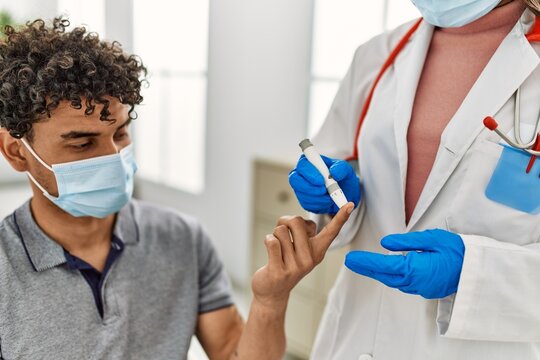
[(85, 271)]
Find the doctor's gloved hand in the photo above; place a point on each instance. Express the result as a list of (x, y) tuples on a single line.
[(431, 268), (308, 185)]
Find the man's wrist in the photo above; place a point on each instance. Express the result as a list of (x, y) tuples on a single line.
[(269, 308)]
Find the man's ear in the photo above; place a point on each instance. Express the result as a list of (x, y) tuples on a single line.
[(12, 150)]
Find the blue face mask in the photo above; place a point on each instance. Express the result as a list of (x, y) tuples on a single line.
[(454, 13), (95, 187)]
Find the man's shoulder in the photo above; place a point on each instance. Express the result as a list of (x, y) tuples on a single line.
[(7, 232), (163, 215), (10, 248), (3, 237), (156, 219), (3, 225)]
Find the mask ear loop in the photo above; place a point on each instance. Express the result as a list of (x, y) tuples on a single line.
[(29, 148), (36, 156)]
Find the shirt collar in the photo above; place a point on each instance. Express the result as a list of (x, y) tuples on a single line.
[(126, 228), (44, 253)]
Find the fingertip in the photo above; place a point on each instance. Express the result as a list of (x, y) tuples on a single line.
[(348, 264), (271, 243), (348, 261), (328, 161), (386, 239), (345, 211), (270, 239), (302, 158), (353, 255), (293, 178), (352, 260), (340, 170), (389, 242), (292, 173), (309, 172)]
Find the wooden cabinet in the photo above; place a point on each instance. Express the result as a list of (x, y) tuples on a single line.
[(274, 198)]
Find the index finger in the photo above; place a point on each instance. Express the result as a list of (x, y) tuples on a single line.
[(322, 241)]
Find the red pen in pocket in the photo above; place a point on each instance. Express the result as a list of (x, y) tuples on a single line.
[(533, 157)]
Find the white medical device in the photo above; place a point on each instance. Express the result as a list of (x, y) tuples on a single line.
[(313, 156)]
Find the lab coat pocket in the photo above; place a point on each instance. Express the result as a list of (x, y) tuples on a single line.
[(512, 186), (474, 210)]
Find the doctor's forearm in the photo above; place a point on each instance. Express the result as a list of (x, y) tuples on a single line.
[(264, 334)]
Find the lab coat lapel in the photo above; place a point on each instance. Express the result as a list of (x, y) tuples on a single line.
[(408, 69), (512, 63)]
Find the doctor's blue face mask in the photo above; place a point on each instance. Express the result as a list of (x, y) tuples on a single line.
[(454, 13), (95, 187)]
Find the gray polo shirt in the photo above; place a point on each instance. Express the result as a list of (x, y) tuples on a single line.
[(167, 274)]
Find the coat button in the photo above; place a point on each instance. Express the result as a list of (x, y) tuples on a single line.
[(365, 357)]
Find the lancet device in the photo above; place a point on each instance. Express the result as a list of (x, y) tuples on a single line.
[(313, 156)]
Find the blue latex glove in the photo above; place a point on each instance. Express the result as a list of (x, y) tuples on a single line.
[(431, 269), (308, 185)]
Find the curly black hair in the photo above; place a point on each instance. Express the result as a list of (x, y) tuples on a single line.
[(41, 65)]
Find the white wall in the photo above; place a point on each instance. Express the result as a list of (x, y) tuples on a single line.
[(22, 11), (119, 22), (25, 10), (259, 66), (12, 196)]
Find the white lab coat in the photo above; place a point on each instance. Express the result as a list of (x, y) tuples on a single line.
[(496, 311)]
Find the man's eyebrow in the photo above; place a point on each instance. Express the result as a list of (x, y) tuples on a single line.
[(82, 134), (79, 134)]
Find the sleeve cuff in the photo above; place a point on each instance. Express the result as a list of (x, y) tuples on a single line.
[(454, 311)]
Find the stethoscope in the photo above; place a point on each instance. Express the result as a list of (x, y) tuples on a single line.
[(518, 143), (532, 147)]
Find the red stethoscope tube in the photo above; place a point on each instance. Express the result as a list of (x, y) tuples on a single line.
[(489, 122), (533, 157)]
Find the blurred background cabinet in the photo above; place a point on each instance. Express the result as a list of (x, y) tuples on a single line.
[(274, 198)]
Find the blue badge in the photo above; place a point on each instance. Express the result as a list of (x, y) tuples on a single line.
[(510, 184)]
